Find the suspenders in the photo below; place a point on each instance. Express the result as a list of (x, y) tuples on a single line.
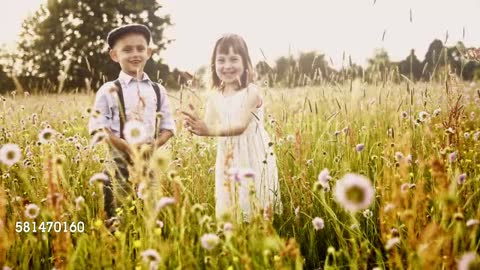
[(122, 106)]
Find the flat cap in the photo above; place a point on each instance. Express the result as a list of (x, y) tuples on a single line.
[(121, 31)]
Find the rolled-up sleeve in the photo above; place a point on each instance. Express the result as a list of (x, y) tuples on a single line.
[(167, 121), (101, 116)]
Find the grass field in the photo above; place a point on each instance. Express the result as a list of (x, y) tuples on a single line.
[(418, 145)]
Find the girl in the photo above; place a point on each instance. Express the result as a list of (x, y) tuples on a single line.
[(234, 114)]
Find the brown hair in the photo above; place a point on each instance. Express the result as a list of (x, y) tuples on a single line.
[(239, 46)]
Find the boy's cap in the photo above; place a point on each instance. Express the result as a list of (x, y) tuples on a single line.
[(118, 32)]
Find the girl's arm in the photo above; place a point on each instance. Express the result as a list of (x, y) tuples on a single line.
[(199, 127)]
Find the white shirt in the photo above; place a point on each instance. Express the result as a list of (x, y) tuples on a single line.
[(140, 104)]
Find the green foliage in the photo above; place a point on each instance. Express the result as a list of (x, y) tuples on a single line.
[(64, 42)]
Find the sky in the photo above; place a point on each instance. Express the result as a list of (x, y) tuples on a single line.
[(281, 27)]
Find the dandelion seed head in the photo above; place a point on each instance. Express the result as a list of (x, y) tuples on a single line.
[(10, 154), (360, 147), (32, 210), (135, 132), (318, 223), (98, 178), (209, 241), (47, 135), (469, 261), (164, 202), (392, 242), (150, 255), (354, 192)]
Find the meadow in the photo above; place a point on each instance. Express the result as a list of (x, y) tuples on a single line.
[(417, 144)]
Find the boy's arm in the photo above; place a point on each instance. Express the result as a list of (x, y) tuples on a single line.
[(167, 124)]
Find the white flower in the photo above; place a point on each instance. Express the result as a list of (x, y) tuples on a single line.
[(164, 202), (367, 213), (472, 222), (398, 156), (354, 192), (422, 116), (150, 255), (469, 261), (359, 147), (140, 191), (135, 132), (392, 242), (297, 211), (46, 135), (209, 241), (228, 227), (98, 178), (437, 112), (318, 223), (388, 207), (32, 210), (78, 202), (10, 154), (160, 223), (324, 176)]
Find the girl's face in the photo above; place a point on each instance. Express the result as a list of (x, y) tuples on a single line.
[(229, 67)]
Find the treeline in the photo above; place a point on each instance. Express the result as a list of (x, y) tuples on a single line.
[(311, 68), (62, 46)]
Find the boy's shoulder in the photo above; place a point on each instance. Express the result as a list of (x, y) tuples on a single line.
[(107, 88)]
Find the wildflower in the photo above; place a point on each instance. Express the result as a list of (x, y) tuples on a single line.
[(309, 162), (466, 135), (468, 261), (98, 178), (337, 132), (392, 242), (450, 130), (135, 132), (78, 202), (360, 147), (160, 223), (461, 178), (150, 256), (297, 211), (476, 135), (472, 222), (452, 156), (354, 192), (398, 156), (164, 202), (345, 130), (32, 210), (404, 115), (437, 112), (422, 116), (318, 223), (10, 154), (367, 213), (46, 135), (409, 158), (209, 241), (388, 207), (323, 178), (290, 138), (228, 227)]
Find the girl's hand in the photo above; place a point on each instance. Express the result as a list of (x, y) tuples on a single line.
[(194, 124)]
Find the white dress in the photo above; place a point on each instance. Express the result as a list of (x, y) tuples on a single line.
[(250, 151)]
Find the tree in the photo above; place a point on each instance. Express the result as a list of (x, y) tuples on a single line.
[(379, 66), (64, 42), (411, 67)]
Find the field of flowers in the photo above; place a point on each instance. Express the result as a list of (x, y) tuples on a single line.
[(372, 177)]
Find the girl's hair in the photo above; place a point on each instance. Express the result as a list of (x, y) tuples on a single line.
[(239, 46)]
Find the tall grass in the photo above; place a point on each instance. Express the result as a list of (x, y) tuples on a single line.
[(421, 201)]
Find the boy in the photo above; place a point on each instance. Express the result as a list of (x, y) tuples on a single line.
[(132, 97)]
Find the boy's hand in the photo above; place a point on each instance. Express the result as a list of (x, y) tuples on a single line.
[(119, 144)]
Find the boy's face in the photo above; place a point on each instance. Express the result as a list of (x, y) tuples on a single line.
[(131, 52)]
